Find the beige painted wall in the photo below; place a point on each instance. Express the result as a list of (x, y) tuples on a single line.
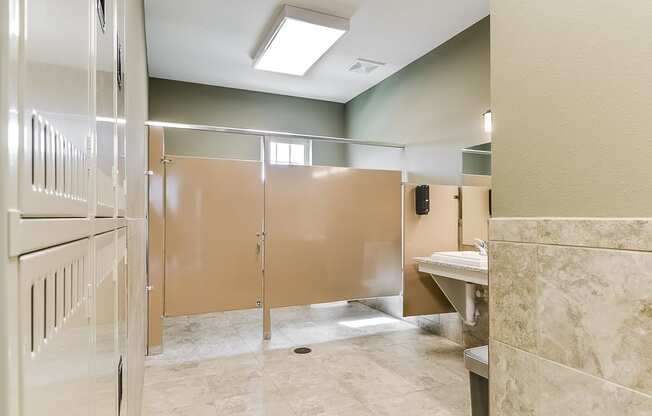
[(572, 108), (204, 104)]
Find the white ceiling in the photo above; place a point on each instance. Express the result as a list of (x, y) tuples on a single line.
[(213, 41)]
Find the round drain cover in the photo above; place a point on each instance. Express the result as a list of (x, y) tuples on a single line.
[(302, 350)]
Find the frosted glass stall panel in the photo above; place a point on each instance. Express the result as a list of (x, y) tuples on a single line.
[(331, 234), (213, 226), (55, 303), (55, 109)]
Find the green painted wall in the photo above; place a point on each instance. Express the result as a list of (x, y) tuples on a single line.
[(185, 102), (439, 97), (434, 105), (211, 144), (476, 164), (237, 146)]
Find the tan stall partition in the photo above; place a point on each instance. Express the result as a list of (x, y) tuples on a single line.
[(214, 218), (331, 234), (156, 241), (475, 214), (436, 231)]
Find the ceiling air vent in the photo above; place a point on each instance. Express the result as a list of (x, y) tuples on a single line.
[(365, 66)]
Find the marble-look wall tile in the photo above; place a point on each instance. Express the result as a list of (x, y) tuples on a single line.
[(590, 312), (513, 297), (513, 375), (567, 392), (451, 327), (617, 233), (521, 230), (595, 312), (624, 234)]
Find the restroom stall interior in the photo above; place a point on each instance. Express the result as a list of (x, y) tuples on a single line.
[(256, 220)]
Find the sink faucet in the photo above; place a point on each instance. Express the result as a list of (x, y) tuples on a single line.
[(481, 245)]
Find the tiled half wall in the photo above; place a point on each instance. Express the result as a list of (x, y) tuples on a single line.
[(570, 316)]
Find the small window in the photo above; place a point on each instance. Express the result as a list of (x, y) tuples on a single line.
[(290, 152)]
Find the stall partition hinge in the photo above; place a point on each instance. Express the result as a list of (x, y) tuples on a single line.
[(259, 304), (165, 160)]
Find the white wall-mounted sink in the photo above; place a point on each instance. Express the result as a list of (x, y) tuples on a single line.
[(468, 266), (457, 273), (461, 258)]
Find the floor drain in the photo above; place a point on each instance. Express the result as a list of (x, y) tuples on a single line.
[(302, 350)]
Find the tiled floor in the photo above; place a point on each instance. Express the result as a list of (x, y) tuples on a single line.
[(363, 362)]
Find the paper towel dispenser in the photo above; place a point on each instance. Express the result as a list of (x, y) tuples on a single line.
[(422, 199)]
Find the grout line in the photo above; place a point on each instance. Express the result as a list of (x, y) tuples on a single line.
[(575, 370), (571, 246)]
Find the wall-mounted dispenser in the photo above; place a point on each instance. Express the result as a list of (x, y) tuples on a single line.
[(422, 199)]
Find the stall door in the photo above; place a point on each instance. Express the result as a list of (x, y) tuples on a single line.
[(214, 218), (331, 234)]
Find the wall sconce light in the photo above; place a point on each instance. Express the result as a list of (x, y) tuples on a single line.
[(487, 121)]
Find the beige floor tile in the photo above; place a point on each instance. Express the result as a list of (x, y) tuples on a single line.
[(421, 403), (253, 405), (321, 400), (217, 364), (195, 410)]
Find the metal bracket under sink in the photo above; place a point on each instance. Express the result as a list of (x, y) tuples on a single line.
[(461, 295), (459, 275)]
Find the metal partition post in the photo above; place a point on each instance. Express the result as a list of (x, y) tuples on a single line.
[(267, 319)]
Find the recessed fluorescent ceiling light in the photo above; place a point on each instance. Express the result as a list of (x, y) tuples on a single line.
[(298, 39)]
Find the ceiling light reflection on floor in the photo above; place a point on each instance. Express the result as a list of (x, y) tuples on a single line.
[(337, 304), (361, 323)]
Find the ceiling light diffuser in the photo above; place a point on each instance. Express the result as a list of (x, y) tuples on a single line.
[(298, 39)]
